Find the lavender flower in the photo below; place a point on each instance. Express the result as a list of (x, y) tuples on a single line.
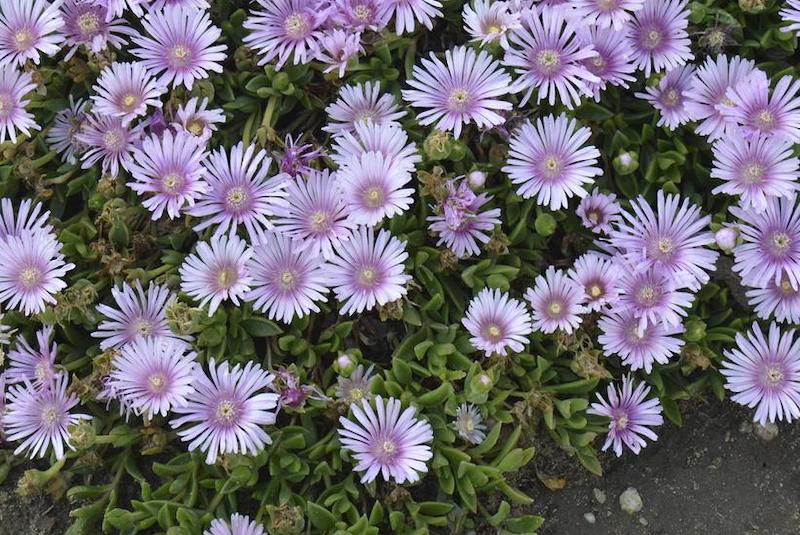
[(28, 219), (14, 85), (227, 410), (62, 135), (196, 118), (408, 12), (239, 525), (611, 61), (284, 29), (498, 323), (161, 4), (385, 441), (556, 301), (125, 90), (653, 296), (658, 35), (468, 424), (28, 29), (373, 188), (758, 112), (85, 24), (387, 138), (35, 366), (109, 141), (631, 416), (779, 299), (296, 157), (360, 15), (490, 22), (552, 161), (357, 387), (597, 275), (360, 103), (336, 48), (608, 13), (116, 8), (790, 14), (599, 211), (638, 347), (367, 270), (671, 95), (217, 272)]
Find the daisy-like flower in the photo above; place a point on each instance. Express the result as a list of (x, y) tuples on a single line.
[(755, 168), (658, 37), (548, 57), (116, 8), (29, 29), (611, 61), (28, 219), (599, 211), (759, 113), (109, 141), (40, 418), (638, 347), (709, 92), (597, 275), (180, 44), (285, 29), (137, 315), (227, 410), (385, 441), (673, 238), (62, 136), (459, 223), (367, 270), (286, 282), (35, 366), (240, 192), (161, 4), (357, 387), (671, 95), (779, 299), (361, 103), (196, 118), (490, 22), (31, 271), (5, 339), (653, 296), (373, 188), (336, 48), (498, 323), (770, 247), (608, 13), (125, 90), (463, 90), (556, 301), (169, 170), (387, 138), (764, 372), (217, 271), (14, 85), (551, 160), (790, 14), (315, 213), (239, 525), (152, 375), (360, 15), (408, 12), (469, 423), (631, 416), (85, 25)]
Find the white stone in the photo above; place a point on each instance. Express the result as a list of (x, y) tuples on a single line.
[(630, 501)]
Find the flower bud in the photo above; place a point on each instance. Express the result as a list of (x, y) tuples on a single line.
[(726, 238), (752, 6), (345, 364), (476, 179), (626, 162)]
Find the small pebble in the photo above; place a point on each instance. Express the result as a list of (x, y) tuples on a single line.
[(643, 521), (590, 518), (746, 427), (599, 495), (766, 432), (630, 501)]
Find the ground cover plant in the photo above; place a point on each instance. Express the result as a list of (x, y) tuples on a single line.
[(338, 266)]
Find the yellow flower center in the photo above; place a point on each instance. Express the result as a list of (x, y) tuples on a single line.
[(226, 412), (287, 278), (459, 99), (555, 308), (752, 174), (671, 97), (773, 376), (129, 101), (227, 277), (367, 276), (319, 221), (144, 328), (781, 241), (49, 415), (195, 127), (362, 13), (236, 198), (29, 277), (765, 119), (373, 197), (647, 295), (157, 382), (548, 60), (621, 421), (172, 182), (23, 39), (595, 291), (112, 139), (88, 23), (296, 26)]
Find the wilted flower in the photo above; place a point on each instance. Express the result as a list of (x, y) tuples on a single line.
[(62, 135), (296, 157), (357, 386), (468, 423), (196, 118), (497, 323)]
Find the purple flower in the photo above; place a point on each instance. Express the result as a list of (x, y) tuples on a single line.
[(360, 15), (408, 12), (779, 299), (36, 366), (108, 139), (758, 113), (385, 441), (14, 85), (671, 95), (240, 192), (161, 4), (597, 275), (31, 271), (548, 57), (336, 48), (29, 219), (367, 271), (286, 281), (217, 272), (387, 138), (296, 157), (179, 43), (28, 28), (227, 410), (137, 315), (196, 118), (498, 323), (599, 211), (770, 248), (284, 29), (611, 61), (360, 103), (608, 13), (652, 295), (490, 22), (658, 37), (709, 92), (790, 14), (460, 91), (116, 8), (125, 90), (152, 375), (373, 188), (556, 301), (552, 161), (765, 373), (40, 418), (239, 525), (168, 167), (638, 347), (62, 136), (755, 168), (315, 213), (631, 415), (86, 24)]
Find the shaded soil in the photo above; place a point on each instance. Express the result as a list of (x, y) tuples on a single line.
[(37, 515), (714, 475)]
